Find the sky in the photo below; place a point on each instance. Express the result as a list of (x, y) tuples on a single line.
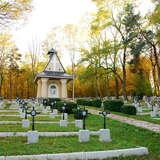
[(47, 14)]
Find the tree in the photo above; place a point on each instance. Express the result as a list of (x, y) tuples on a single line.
[(6, 45), (11, 11), (34, 53), (13, 66)]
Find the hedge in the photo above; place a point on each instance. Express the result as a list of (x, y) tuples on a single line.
[(113, 105), (70, 106), (49, 101), (89, 102), (78, 114), (129, 109)]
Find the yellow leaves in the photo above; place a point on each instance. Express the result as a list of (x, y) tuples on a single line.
[(101, 20), (13, 10), (155, 16), (6, 41)]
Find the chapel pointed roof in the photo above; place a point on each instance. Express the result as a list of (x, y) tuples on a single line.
[(54, 68)]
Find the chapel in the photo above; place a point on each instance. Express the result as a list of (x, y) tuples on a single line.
[(52, 82)]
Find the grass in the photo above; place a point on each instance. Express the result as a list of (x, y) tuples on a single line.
[(138, 117), (122, 134), (39, 127), (9, 113), (38, 118)]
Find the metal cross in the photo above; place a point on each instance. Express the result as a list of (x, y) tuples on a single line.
[(53, 105), (45, 103), (26, 109), (104, 114), (84, 114), (33, 113), (64, 109)]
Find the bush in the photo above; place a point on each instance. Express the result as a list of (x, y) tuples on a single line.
[(113, 105), (89, 102), (7, 105), (70, 106), (78, 114), (129, 109), (48, 101)]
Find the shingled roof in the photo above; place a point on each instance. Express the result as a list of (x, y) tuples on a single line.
[(54, 68)]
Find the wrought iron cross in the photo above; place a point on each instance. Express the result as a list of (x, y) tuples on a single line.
[(104, 114), (33, 113), (84, 114), (63, 110), (52, 105)]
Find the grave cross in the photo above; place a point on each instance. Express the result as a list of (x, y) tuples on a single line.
[(78, 112), (63, 110), (104, 114), (23, 104), (84, 114), (26, 109), (45, 103), (33, 113), (53, 105)]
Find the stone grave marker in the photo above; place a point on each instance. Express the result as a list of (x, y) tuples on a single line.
[(26, 122), (84, 135), (63, 121), (78, 122), (33, 136), (104, 134)]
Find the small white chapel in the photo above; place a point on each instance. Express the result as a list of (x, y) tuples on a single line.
[(52, 82)]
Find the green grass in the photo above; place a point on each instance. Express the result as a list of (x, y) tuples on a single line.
[(123, 136), (38, 118), (138, 117), (39, 127), (9, 113)]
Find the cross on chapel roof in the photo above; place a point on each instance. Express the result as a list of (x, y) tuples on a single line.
[(54, 68), (54, 63)]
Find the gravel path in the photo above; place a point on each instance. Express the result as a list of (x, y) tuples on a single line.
[(138, 123)]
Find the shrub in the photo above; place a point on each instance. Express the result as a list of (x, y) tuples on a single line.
[(45, 102), (78, 114), (70, 106), (7, 105), (129, 109), (89, 102), (50, 100), (113, 105)]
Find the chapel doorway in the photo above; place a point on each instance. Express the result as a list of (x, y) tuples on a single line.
[(53, 91)]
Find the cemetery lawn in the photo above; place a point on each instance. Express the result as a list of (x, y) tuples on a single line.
[(39, 127), (38, 118), (123, 136), (138, 117)]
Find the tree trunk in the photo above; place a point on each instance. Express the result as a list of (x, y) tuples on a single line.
[(1, 82), (10, 85), (124, 75), (156, 58), (116, 87)]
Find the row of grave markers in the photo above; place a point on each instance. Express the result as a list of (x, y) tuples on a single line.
[(83, 134)]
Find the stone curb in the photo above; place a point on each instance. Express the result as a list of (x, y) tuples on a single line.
[(82, 155), (44, 134), (11, 110), (18, 115), (38, 122)]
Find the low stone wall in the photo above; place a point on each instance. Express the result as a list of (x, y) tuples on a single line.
[(82, 155)]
